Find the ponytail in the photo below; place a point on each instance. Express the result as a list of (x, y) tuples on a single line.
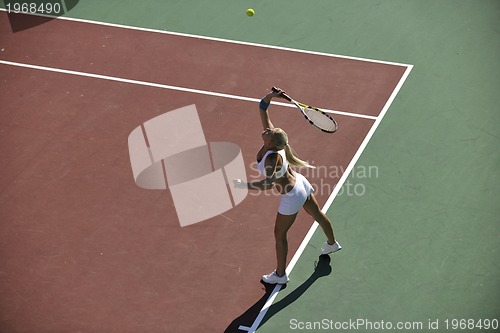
[(294, 160), (280, 139)]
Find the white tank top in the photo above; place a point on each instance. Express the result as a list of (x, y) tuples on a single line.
[(262, 163)]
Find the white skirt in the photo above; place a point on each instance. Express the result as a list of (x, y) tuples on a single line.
[(292, 201)]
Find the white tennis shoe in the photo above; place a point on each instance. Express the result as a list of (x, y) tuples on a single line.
[(330, 248), (274, 278)]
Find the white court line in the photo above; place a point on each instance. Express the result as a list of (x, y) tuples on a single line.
[(165, 86), (173, 33), (328, 203)]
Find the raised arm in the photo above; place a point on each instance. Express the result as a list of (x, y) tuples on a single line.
[(264, 105)]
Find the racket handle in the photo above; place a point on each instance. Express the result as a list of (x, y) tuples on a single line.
[(285, 96)]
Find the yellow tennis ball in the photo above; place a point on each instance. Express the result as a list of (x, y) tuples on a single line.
[(250, 12)]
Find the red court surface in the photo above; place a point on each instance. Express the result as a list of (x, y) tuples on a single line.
[(82, 247)]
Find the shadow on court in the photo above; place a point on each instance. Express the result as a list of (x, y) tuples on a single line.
[(322, 268), (19, 12)]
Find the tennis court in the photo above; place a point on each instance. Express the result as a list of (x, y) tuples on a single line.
[(84, 249)]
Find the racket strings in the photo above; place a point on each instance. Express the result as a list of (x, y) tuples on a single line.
[(320, 119)]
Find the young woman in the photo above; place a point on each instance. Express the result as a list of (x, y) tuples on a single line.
[(274, 159)]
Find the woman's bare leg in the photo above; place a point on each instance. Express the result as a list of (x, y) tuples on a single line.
[(312, 208), (283, 223)]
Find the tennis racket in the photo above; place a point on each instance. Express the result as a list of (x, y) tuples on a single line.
[(314, 116)]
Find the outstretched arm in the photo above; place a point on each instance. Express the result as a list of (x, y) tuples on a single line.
[(264, 105)]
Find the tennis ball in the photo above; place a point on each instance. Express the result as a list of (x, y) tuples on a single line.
[(250, 12)]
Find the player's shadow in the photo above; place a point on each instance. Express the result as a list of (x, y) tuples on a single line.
[(322, 268)]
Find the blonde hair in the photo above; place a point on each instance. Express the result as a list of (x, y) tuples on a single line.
[(280, 140)]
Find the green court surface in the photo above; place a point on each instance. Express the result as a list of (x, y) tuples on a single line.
[(420, 237)]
